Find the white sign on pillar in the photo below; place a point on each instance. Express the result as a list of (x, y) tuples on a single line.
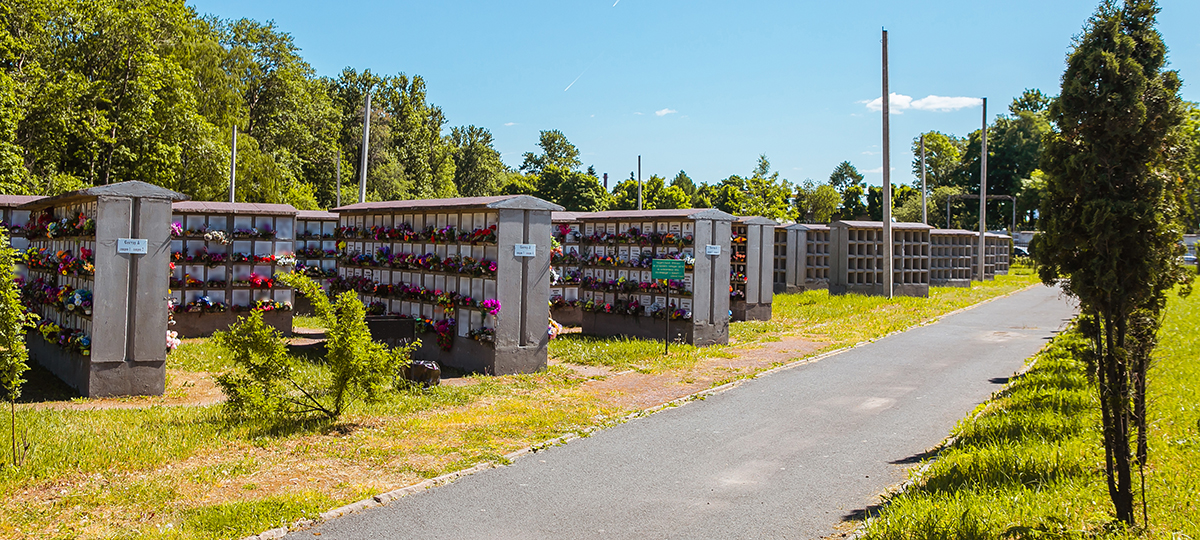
[(135, 246)]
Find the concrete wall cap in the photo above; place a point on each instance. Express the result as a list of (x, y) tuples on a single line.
[(214, 207), (566, 217), (879, 225), (757, 220), (807, 227), (509, 202), (316, 215), (953, 232), (13, 201), (132, 188), (679, 213)]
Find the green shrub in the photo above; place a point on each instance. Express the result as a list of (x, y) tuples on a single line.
[(269, 382)]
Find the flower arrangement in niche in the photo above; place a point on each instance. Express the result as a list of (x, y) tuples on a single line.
[(445, 333), (271, 305), (483, 335), (491, 306), (261, 282), (176, 229), (220, 237)]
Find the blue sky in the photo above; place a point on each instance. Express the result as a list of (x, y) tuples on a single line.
[(707, 86)]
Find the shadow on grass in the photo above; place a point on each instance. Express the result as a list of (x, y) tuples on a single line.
[(917, 458), (862, 514), (41, 386)]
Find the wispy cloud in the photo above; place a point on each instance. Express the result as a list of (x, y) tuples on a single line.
[(510, 123), (899, 103), (877, 170), (664, 112), (637, 113)]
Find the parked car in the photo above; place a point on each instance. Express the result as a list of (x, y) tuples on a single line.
[(1019, 251), (1189, 259)]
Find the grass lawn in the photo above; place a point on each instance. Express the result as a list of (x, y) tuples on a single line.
[(145, 470), (1029, 463)]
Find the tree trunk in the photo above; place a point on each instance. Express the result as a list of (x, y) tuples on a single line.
[(1114, 396)]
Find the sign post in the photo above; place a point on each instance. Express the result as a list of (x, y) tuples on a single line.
[(667, 269)]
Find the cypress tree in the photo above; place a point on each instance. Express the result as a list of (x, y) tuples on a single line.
[(1109, 234)]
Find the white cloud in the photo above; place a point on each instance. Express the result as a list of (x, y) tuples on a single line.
[(877, 170), (638, 113), (900, 102), (870, 153), (664, 112), (510, 123)]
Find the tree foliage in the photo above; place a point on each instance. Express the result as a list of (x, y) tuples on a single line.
[(844, 176), (14, 357), (943, 159), (816, 203), (1109, 231), (477, 165), (556, 150), (98, 91)]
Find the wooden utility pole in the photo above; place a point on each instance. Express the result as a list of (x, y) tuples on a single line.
[(888, 277)]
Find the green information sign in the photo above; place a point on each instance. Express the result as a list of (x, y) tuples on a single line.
[(666, 269)]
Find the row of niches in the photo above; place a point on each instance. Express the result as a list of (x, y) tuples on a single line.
[(859, 249), (874, 263), (871, 277), (316, 249), (469, 304), (60, 257), (237, 252), (238, 300), (623, 256), (945, 240), (315, 229), (647, 233), (475, 260), (223, 228), (76, 221), (67, 301), (431, 318), (898, 235), (629, 281), (462, 291), (442, 228), (642, 305), (190, 276)]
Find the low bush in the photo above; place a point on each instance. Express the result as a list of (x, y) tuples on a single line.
[(269, 382)]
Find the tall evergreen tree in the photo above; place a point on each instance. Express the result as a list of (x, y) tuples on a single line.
[(1109, 233)]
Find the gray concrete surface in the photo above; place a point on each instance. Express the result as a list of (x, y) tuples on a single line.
[(789, 455)]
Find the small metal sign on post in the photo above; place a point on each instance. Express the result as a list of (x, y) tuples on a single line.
[(667, 269)]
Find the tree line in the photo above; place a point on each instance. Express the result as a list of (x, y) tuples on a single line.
[(99, 91)]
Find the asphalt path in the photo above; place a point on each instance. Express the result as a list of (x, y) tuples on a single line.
[(787, 455)]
